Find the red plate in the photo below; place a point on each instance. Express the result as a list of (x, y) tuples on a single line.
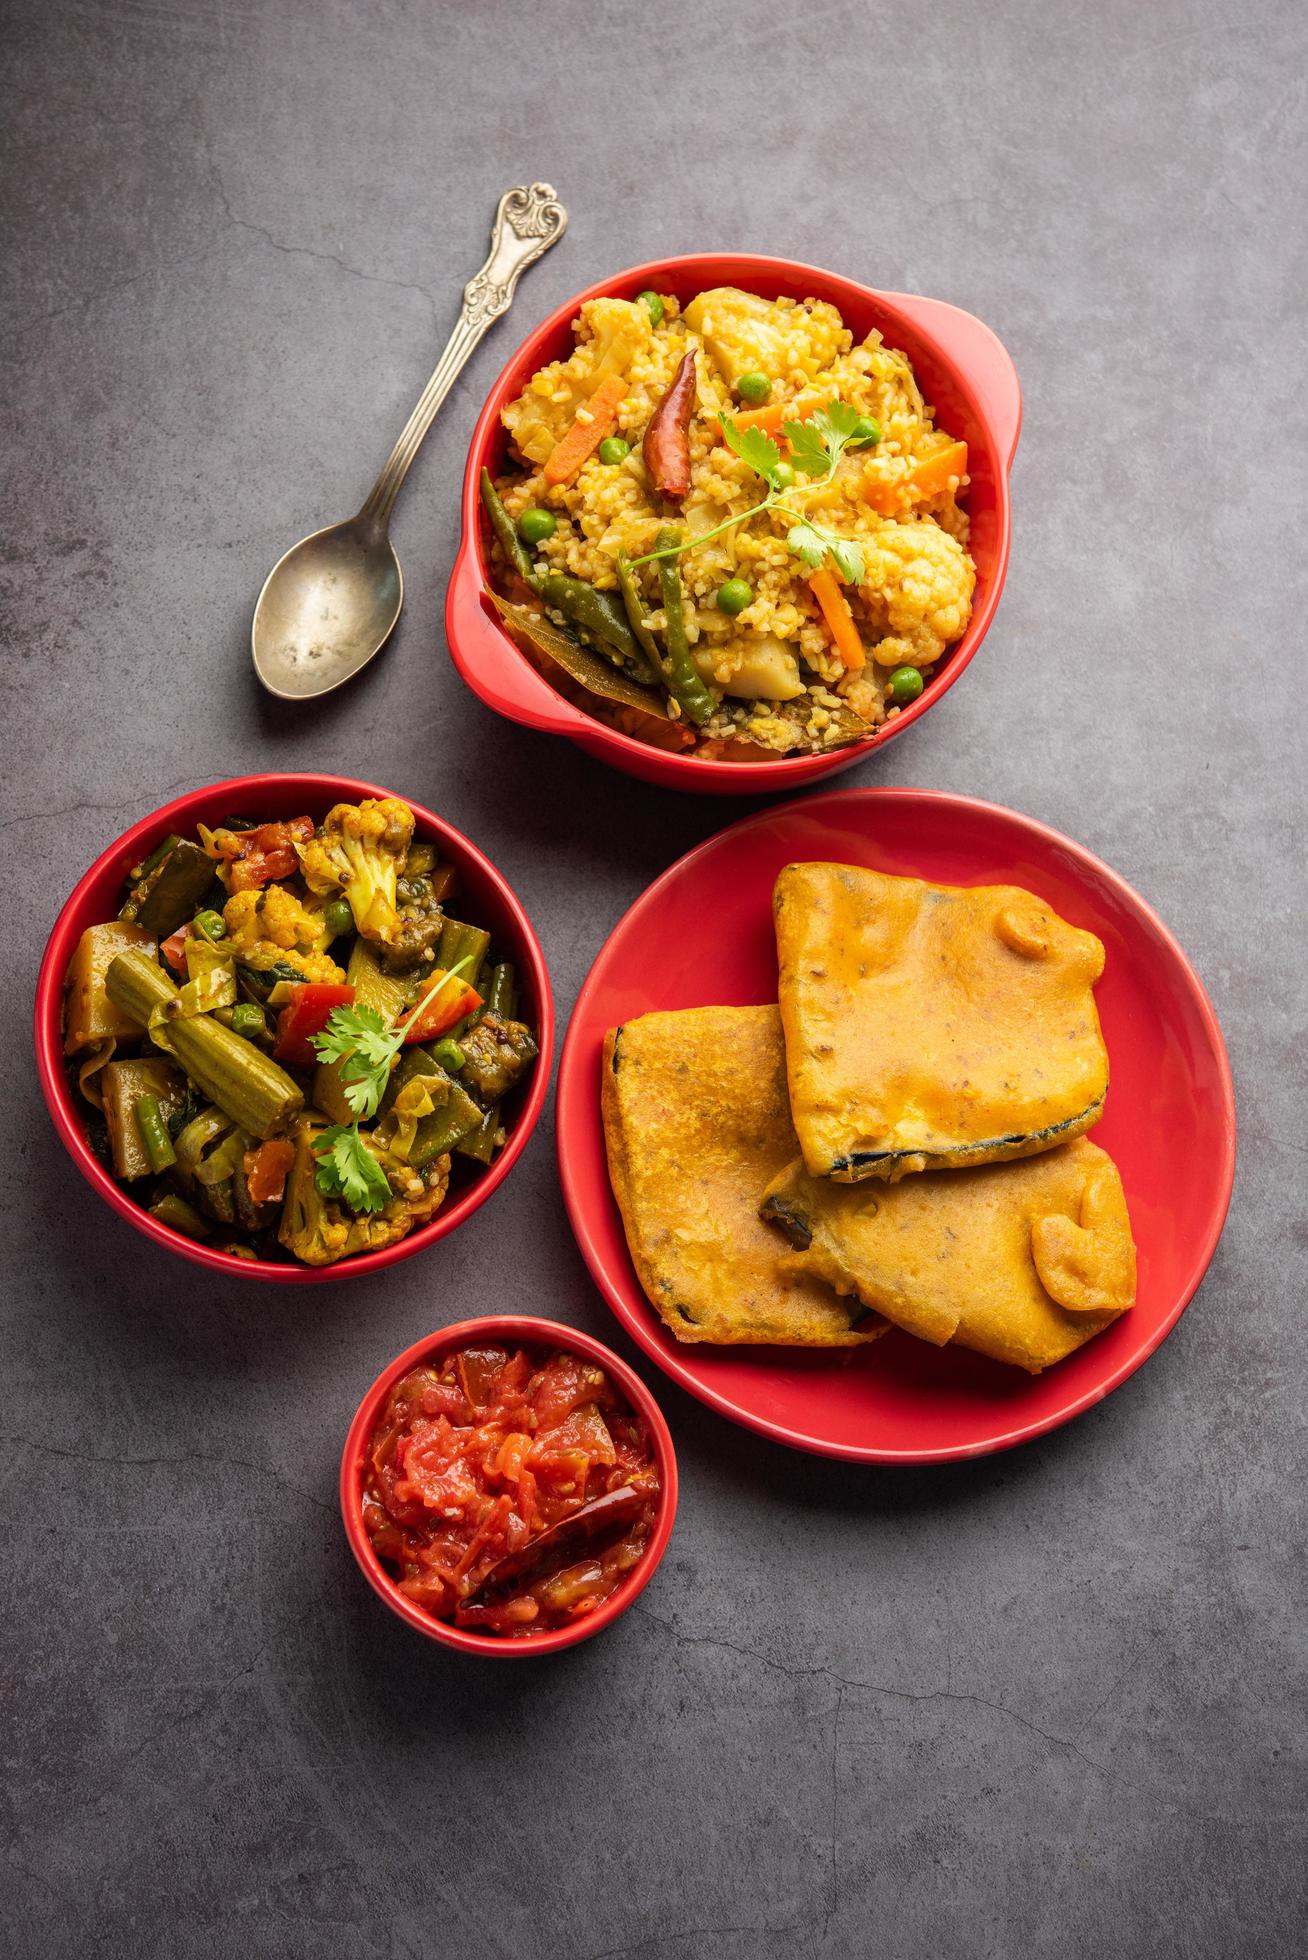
[(702, 935)]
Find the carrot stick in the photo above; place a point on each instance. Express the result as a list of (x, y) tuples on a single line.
[(925, 479), (770, 419), (585, 436), (835, 608)]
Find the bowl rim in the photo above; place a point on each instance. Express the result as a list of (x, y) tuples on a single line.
[(48, 1027), (530, 1330), (574, 1098), (785, 772)]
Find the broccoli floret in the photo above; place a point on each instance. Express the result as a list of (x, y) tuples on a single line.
[(359, 850), (319, 1230)]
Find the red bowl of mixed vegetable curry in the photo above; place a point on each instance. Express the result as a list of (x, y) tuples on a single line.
[(508, 1486), (529, 584), (293, 1026)]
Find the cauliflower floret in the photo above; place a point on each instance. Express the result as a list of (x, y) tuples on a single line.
[(610, 335), (918, 592), (359, 850), (749, 335), (320, 1230), (271, 927)]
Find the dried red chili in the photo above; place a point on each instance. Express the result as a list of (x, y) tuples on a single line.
[(667, 439)]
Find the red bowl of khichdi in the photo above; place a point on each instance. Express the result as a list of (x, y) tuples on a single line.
[(729, 522)]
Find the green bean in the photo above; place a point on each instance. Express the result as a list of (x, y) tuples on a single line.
[(251, 1088), (174, 1211), (479, 1144), (154, 1134), (249, 1021), (338, 918), (635, 605), (502, 524), (684, 682), (155, 859), (503, 996), (601, 614), (459, 942), (209, 923)]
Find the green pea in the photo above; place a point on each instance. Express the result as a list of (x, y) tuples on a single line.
[(338, 917), (209, 924), (248, 1020), (535, 525), (613, 449), (450, 1056), (754, 389), (783, 476), (653, 306), (905, 684), (734, 596)]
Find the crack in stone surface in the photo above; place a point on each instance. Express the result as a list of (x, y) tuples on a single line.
[(151, 1462), (877, 1688)]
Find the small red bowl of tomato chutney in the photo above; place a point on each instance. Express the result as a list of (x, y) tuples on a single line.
[(508, 1486)]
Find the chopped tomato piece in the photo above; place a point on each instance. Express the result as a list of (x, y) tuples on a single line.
[(478, 1370), (266, 1169), (174, 948), (268, 852), (448, 1000), (305, 1015)]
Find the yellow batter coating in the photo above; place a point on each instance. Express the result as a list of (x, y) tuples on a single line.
[(1024, 1261), (930, 1026), (696, 1122)]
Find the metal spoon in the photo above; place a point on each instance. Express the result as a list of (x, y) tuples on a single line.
[(331, 602)]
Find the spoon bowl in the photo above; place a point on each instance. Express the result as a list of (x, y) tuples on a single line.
[(327, 606)]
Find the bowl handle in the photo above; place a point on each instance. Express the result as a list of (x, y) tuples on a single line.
[(489, 662), (980, 354)]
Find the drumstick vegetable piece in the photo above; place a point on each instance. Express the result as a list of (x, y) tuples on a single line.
[(593, 423), (835, 608), (246, 1084), (666, 448), (683, 676)]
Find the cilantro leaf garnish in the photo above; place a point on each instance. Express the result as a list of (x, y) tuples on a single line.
[(755, 447), (808, 451), (846, 556), (816, 447), (814, 543), (807, 542), (366, 1048), (359, 1040), (347, 1169)]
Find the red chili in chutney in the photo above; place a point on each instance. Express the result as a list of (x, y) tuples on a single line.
[(508, 1491)]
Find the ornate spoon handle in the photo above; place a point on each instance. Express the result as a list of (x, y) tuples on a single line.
[(528, 221)]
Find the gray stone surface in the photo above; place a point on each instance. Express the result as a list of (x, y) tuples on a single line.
[(1043, 1704)]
